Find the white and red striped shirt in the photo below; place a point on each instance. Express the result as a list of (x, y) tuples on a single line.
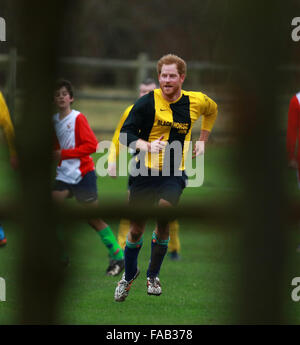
[(293, 130), (76, 141)]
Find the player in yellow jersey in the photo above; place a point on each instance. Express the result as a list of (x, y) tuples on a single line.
[(146, 86), (8, 129), (159, 120)]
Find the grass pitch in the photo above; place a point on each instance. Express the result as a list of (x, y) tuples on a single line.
[(201, 288)]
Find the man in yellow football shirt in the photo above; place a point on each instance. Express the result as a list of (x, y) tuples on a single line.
[(174, 245), (8, 129), (161, 120)]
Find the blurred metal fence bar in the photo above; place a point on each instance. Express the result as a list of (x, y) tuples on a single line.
[(258, 53), (40, 281), (224, 212)]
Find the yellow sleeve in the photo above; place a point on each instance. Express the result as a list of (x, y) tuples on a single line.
[(209, 110), (6, 124), (114, 149)]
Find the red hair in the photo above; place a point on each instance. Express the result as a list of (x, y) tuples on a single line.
[(170, 59)]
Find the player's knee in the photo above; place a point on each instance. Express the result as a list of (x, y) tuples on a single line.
[(135, 235), (136, 231), (59, 196), (162, 224), (164, 203)]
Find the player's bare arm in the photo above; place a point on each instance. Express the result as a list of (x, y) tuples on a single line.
[(200, 143)]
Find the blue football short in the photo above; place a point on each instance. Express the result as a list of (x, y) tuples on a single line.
[(150, 189), (83, 191)]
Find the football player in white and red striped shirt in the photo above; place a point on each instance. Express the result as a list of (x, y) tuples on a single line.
[(293, 134), (76, 176), (293, 137)]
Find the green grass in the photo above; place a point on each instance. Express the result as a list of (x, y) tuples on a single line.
[(199, 289), (196, 290), (187, 297)]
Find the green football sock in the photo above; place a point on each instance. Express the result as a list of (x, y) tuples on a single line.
[(114, 249)]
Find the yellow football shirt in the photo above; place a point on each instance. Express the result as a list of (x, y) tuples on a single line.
[(152, 116), (114, 149), (6, 124)]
